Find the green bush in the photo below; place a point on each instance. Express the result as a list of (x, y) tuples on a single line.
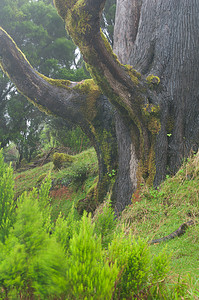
[(89, 274), (62, 159), (65, 229), (66, 260), (32, 263), (105, 223), (7, 206)]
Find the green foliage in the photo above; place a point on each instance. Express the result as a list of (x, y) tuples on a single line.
[(44, 202), (141, 275), (81, 169), (61, 159), (105, 223), (93, 258), (65, 228), (69, 136), (89, 275), (7, 206), (32, 263), (80, 173)]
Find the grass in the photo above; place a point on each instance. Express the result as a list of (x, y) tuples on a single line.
[(69, 184), (157, 213), (154, 213), (28, 179)]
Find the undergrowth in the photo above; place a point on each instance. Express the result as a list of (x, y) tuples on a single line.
[(76, 258), (159, 212), (153, 214)]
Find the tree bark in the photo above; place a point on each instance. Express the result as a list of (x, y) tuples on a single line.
[(166, 46), (81, 103), (150, 121)]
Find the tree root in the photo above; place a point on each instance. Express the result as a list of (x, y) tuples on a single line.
[(180, 231)]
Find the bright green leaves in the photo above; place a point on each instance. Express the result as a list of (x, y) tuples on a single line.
[(90, 276), (73, 259), (7, 205)]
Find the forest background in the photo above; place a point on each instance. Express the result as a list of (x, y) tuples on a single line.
[(41, 35)]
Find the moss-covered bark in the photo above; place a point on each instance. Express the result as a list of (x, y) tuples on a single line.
[(125, 88), (131, 94)]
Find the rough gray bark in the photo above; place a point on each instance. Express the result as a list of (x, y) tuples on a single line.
[(61, 98), (126, 27), (166, 45)]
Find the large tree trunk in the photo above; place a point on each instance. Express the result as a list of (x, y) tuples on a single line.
[(165, 44), (147, 127)]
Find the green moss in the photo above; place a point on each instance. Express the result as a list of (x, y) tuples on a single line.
[(105, 144), (92, 92), (85, 86), (154, 125), (146, 168), (77, 20), (170, 124), (56, 82), (135, 75), (152, 115), (153, 81), (62, 6), (61, 159), (108, 47)]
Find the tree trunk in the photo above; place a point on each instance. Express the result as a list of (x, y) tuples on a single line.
[(166, 46), (150, 121)]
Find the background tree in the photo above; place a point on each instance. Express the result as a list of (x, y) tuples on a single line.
[(5, 87), (108, 20), (40, 33), (155, 111)]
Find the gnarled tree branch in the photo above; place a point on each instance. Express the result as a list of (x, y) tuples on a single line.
[(58, 97), (82, 103)]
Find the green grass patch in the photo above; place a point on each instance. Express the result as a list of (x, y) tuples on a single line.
[(157, 212), (161, 211), (70, 184)]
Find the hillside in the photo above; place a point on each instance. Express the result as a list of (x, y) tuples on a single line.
[(154, 213)]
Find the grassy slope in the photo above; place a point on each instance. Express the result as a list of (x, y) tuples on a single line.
[(157, 213), (154, 213), (69, 184)]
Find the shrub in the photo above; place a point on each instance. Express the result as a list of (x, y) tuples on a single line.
[(141, 276), (70, 263), (80, 172), (7, 206), (65, 229), (90, 276), (61, 159), (105, 223), (31, 261)]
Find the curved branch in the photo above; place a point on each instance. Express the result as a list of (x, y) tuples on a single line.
[(83, 24), (125, 88), (59, 97), (178, 232)]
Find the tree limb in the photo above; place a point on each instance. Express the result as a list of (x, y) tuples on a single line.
[(59, 97), (83, 24), (178, 232)]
